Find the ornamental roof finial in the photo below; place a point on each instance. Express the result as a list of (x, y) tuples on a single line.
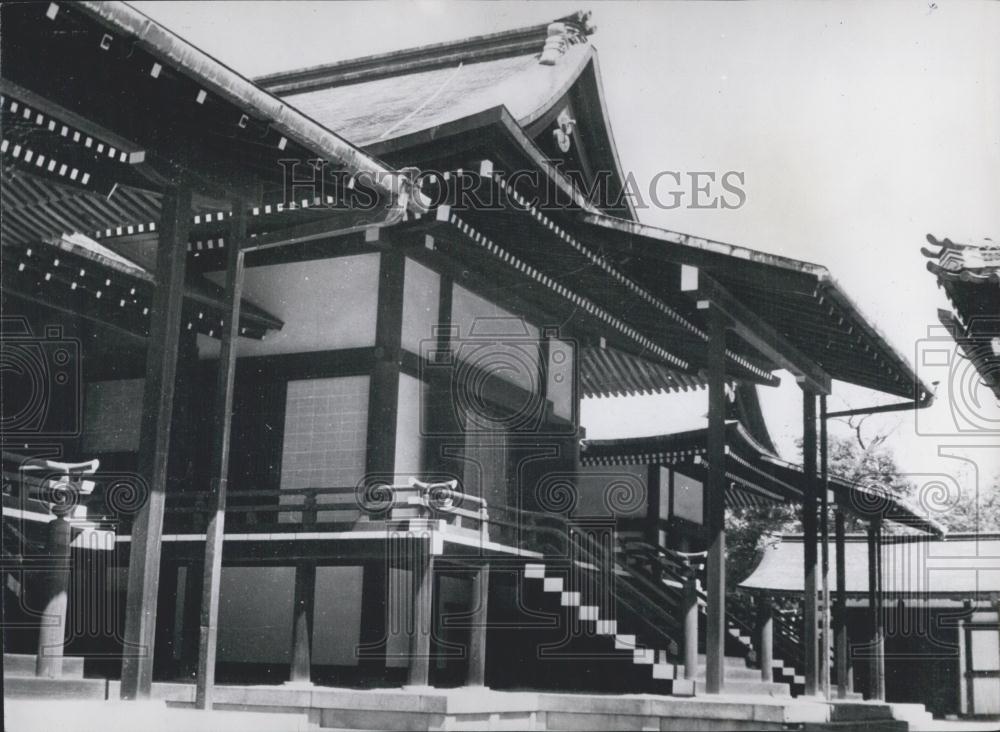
[(564, 33)]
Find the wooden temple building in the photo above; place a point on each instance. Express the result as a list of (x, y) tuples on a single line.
[(326, 334), (939, 602)]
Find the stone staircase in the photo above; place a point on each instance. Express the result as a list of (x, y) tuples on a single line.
[(650, 663), (667, 677)]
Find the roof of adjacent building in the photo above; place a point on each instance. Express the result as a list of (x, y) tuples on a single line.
[(969, 274), (964, 566), (754, 473)]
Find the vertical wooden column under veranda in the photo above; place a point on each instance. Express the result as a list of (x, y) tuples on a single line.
[(715, 505), (154, 444), (840, 617), (219, 477), (810, 614)]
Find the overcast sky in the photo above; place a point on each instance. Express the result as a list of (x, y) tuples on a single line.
[(860, 127)]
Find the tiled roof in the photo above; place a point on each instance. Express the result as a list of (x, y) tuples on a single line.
[(370, 110), (970, 277), (965, 566)]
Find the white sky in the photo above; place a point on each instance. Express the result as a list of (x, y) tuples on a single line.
[(860, 127)]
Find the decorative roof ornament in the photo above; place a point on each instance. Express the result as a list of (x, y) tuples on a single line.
[(564, 33), (965, 262)]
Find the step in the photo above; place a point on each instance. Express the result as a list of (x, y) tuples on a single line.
[(607, 627), (849, 711), (149, 716), (24, 687), (753, 688), (23, 664), (644, 656), (569, 599), (728, 661), (552, 584), (590, 612), (624, 641), (880, 725), (534, 571), (666, 671), (736, 673), (913, 713)]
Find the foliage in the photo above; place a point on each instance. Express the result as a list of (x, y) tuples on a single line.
[(975, 511), (748, 530)]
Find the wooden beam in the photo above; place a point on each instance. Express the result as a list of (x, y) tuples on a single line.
[(154, 446), (755, 331), (810, 614), (219, 476), (714, 506), (346, 222)]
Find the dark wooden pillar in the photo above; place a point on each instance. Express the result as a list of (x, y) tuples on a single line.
[(879, 616), (690, 628), (840, 617), (52, 633), (876, 680), (810, 613), (653, 503), (480, 598), (423, 612), (765, 636), (219, 476), (383, 400), (302, 623), (154, 444), (824, 532), (374, 632), (715, 506)]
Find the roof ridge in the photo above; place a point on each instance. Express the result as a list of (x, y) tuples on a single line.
[(513, 42)]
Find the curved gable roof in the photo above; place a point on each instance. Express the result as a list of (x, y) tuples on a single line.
[(369, 111)]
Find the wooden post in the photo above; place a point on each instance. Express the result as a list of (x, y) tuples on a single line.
[(154, 444), (383, 399), (873, 562), (715, 506), (423, 612), (52, 633), (765, 635), (691, 628), (824, 529), (476, 675), (302, 623), (810, 614), (840, 622), (373, 635), (221, 426), (963, 672), (879, 616)]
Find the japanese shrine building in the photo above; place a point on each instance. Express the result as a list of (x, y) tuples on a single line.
[(336, 407)]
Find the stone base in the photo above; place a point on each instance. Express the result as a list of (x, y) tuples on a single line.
[(482, 708)]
